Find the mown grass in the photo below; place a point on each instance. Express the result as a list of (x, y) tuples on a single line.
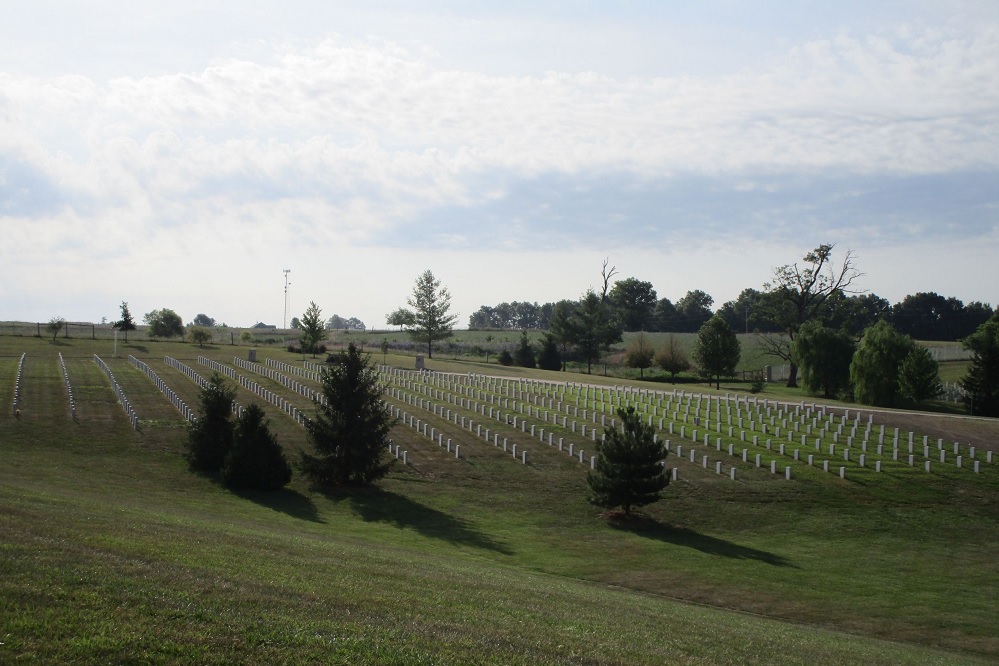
[(113, 551)]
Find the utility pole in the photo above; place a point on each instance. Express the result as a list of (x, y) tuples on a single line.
[(286, 284)]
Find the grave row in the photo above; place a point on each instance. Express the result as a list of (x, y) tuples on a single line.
[(274, 375), (197, 379), (69, 387), (17, 384), (133, 418), (174, 399), (294, 369), (270, 396)]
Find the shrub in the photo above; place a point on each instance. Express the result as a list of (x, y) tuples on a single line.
[(505, 357), (255, 460)]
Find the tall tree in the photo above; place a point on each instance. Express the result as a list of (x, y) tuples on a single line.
[(693, 310), (664, 317), (717, 350), (202, 319), (400, 317), (671, 358), (210, 436), (431, 311), (126, 323), (563, 326), (874, 370), (824, 355), (635, 301), (164, 323), (350, 430), (981, 384), (628, 471), (595, 328), (919, 376), (255, 460), (798, 294), (313, 328), (639, 354)]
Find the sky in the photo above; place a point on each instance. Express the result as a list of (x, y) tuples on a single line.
[(183, 155)]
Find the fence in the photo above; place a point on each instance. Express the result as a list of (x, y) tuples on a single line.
[(92, 331)]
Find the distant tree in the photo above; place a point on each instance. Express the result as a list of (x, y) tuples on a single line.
[(595, 328), (355, 324), (824, 355), (164, 323), (210, 436), (126, 323), (524, 356), (741, 313), (431, 311), (255, 461), (981, 384), (203, 320), (401, 317), (693, 310), (199, 335), (717, 350), (54, 326), (639, 354), (313, 329), (482, 319), (635, 301), (874, 371), (854, 313), (798, 294), (385, 349), (246, 336), (549, 358), (664, 316), (296, 322), (671, 358), (563, 326), (336, 322), (350, 431), (919, 376), (628, 471)]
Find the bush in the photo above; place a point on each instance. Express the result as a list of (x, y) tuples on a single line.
[(505, 357)]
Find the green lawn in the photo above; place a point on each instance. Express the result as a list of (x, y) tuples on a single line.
[(113, 551)]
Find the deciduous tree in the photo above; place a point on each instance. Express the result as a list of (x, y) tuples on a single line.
[(203, 320), (874, 371), (672, 359), (313, 329), (350, 430), (635, 301), (717, 350), (54, 326), (639, 354), (628, 471), (164, 323), (824, 355), (199, 335)]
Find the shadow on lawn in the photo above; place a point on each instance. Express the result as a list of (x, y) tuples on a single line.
[(376, 505), (681, 536), (290, 502)]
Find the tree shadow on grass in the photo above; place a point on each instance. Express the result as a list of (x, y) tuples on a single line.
[(377, 505), (681, 536), (287, 501)]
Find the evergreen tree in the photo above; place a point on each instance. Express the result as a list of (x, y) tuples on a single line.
[(824, 356), (525, 354), (126, 323), (874, 370), (628, 470), (981, 384), (430, 319), (210, 437), (255, 461), (919, 376), (717, 350), (595, 328), (350, 431), (549, 358)]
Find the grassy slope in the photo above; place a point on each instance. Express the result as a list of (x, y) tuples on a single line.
[(113, 551)]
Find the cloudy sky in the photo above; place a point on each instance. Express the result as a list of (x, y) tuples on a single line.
[(184, 154)]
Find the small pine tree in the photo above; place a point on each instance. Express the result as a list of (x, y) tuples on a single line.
[(919, 376), (981, 384), (255, 461), (505, 358), (628, 470), (126, 323), (210, 437), (350, 430), (525, 355), (549, 358)]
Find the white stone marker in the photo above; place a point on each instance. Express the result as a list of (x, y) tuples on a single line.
[(927, 465), (842, 472), (825, 465), (787, 472), (457, 450)]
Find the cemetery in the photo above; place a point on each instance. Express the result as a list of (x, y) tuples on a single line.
[(792, 530)]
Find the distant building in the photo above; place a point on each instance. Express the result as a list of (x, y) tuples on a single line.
[(261, 324)]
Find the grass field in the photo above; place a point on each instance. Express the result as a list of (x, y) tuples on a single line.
[(114, 552)]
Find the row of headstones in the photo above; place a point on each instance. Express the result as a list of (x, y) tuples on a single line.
[(424, 428), (293, 384), (294, 369), (718, 466), (258, 390), (187, 370), (172, 396), (133, 418), (17, 384), (69, 387)]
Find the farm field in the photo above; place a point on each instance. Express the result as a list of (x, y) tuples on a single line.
[(113, 551)]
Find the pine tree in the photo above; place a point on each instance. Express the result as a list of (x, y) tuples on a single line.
[(210, 437), (919, 376), (524, 356), (549, 358), (981, 384), (255, 461), (126, 323), (350, 430), (628, 470)]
